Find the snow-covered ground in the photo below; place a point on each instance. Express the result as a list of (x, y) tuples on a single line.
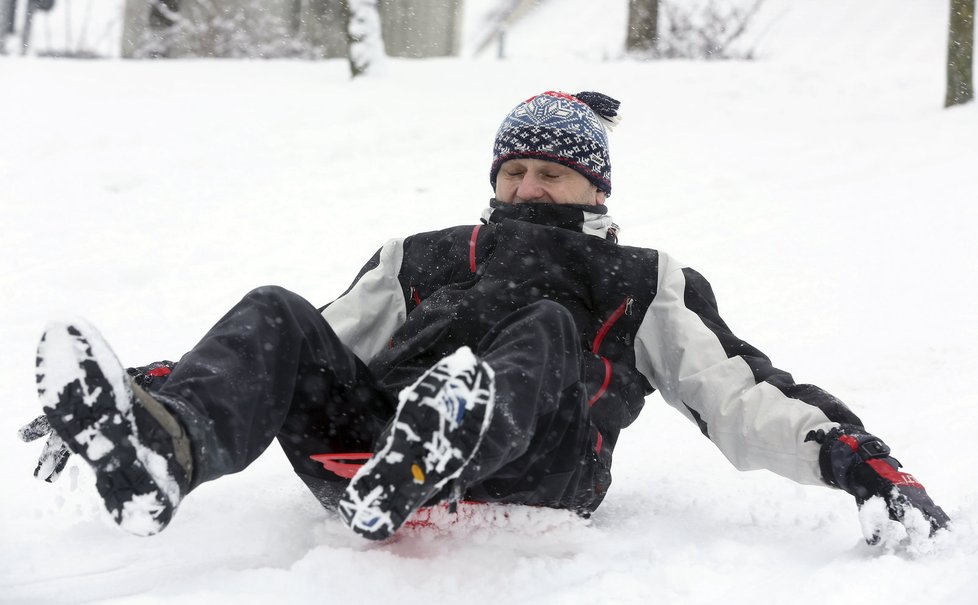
[(823, 190)]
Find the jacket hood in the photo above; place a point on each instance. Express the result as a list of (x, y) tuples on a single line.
[(591, 220)]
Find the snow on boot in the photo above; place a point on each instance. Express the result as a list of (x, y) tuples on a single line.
[(438, 428), (139, 451)]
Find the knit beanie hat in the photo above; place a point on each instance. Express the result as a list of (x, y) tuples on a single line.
[(558, 127)]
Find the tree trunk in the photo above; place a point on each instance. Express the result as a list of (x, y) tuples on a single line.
[(643, 26), (960, 47), (25, 36), (6, 23), (365, 43)]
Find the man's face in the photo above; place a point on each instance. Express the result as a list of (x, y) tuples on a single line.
[(526, 180)]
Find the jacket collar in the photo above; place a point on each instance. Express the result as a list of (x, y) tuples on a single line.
[(591, 220)]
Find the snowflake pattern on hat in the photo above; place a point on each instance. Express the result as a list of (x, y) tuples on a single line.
[(557, 127)]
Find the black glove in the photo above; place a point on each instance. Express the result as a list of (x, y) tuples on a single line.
[(54, 455), (153, 375), (859, 463)]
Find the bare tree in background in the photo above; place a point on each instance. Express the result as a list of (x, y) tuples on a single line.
[(960, 58), (7, 11), (679, 29), (643, 27), (366, 42), (218, 29)]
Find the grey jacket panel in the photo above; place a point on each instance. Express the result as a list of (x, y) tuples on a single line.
[(369, 313), (753, 423)]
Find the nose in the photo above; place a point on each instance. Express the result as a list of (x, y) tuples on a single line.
[(530, 188)]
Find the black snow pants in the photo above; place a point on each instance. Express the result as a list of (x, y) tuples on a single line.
[(272, 368)]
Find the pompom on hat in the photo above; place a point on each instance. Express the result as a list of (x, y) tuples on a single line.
[(558, 127)]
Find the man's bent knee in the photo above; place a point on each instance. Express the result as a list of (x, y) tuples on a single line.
[(551, 312), (273, 296)]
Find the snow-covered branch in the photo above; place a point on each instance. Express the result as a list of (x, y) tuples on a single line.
[(365, 38)]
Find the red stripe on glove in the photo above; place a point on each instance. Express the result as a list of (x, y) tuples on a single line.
[(892, 475)]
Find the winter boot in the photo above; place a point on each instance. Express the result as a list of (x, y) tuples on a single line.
[(139, 451), (437, 430)]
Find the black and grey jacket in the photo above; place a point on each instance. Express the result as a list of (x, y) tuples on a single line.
[(646, 323)]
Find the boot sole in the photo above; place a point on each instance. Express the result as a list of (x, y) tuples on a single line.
[(86, 396), (416, 461)]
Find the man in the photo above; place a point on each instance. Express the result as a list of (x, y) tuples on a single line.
[(495, 362)]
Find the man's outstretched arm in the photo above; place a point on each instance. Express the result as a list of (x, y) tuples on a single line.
[(755, 413)]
